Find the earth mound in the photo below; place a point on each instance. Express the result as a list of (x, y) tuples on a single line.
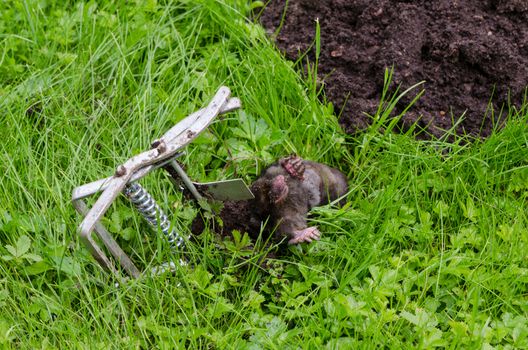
[(472, 54)]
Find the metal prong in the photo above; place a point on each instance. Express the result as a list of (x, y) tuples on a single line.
[(185, 179)]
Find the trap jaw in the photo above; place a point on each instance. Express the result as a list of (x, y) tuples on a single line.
[(163, 154)]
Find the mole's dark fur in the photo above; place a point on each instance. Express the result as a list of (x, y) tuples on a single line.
[(284, 193)]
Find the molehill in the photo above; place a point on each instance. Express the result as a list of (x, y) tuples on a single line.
[(470, 53)]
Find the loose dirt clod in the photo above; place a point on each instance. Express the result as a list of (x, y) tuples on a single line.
[(468, 52)]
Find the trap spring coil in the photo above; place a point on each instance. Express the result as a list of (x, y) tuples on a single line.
[(151, 211)]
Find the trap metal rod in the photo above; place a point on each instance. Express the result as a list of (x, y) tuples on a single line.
[(186, 181)]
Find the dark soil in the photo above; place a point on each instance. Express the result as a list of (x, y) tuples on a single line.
[(235, 215), (468, 52)]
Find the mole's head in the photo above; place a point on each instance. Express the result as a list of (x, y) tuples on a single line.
[(279, 189)]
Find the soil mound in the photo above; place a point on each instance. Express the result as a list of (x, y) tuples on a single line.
[(470, 53)]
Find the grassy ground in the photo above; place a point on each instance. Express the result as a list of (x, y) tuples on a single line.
[(430, 249)]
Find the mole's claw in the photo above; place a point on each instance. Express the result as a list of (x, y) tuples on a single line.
[(306, 235), (294, 166)]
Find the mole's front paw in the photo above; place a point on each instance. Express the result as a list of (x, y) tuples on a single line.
[(294, 166), (307, 235)]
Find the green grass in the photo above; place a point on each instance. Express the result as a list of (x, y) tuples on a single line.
[(430, 249)]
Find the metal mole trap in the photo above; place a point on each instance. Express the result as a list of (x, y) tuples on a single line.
[(163, 155)]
